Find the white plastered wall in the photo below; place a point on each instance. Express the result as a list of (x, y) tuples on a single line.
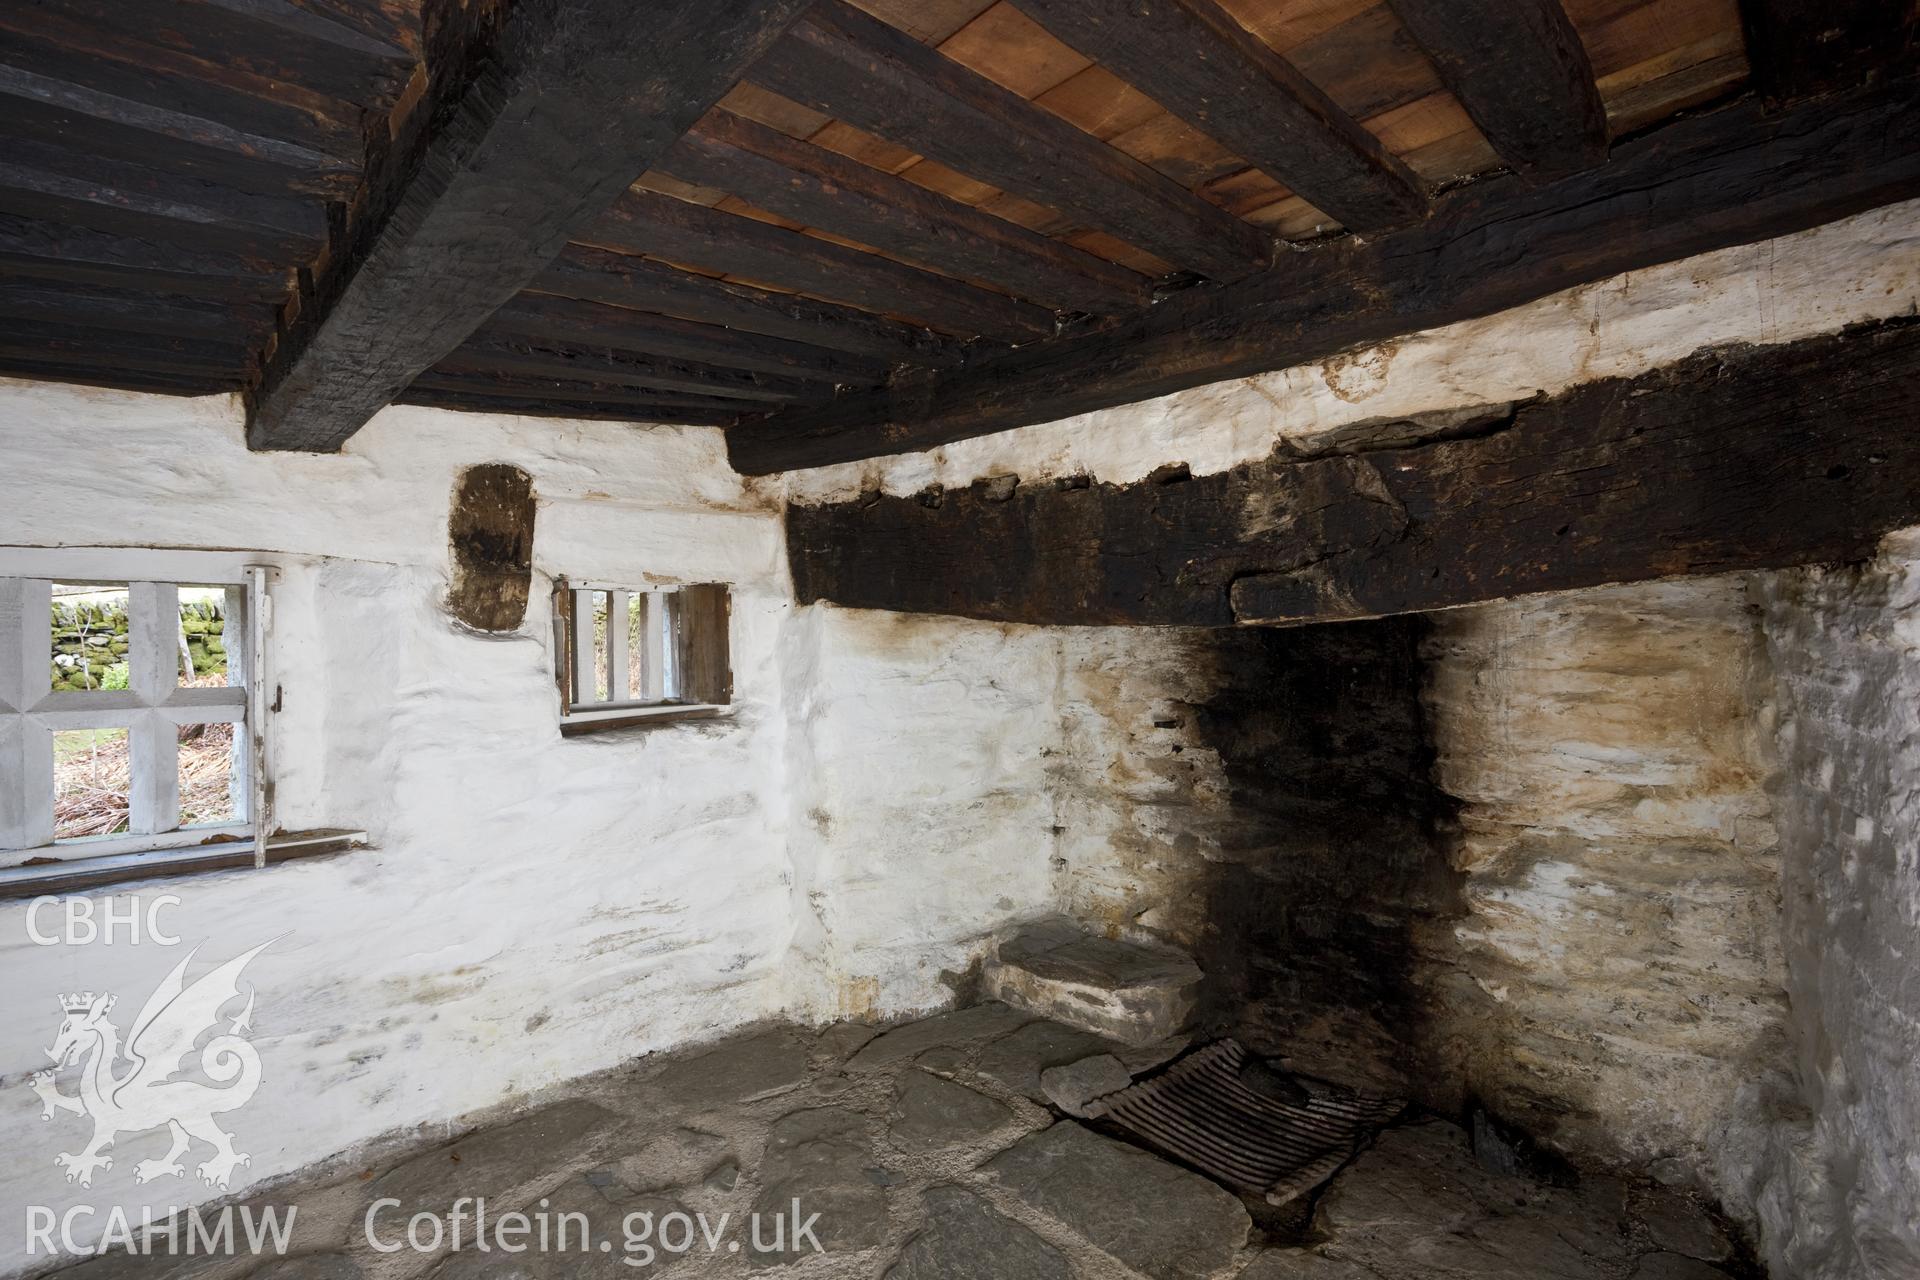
[(530, 908)]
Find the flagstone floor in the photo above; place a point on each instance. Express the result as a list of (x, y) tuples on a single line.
[(928, 1152)]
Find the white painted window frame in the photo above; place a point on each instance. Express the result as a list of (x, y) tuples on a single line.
[(659, 626), (152, 708)]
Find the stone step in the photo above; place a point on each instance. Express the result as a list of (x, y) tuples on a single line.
[(1126, 991)]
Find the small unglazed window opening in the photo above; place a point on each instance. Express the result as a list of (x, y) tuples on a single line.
[(629, 656)]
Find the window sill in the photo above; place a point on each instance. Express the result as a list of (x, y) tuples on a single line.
[(585, 722), (77, 874)]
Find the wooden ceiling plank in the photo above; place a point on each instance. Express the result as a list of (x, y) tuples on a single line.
[(1798, 48), (561, 107), (548, 406), (165, 208), (29, 245), (578, 363), (1729, 176), (548, 317), (487, 383), (152, 353), (708, 239), (1195, 60), (1519, 69), (218, 37), (643, 285), (104, 57), (119, 378), (55, 126), (127, 311), (80, 100), (840, 61), (826, 190), (388, 31)]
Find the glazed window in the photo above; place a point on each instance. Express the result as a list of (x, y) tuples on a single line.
[(634, 656), (130, 710)]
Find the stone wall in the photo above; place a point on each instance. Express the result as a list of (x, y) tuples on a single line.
[(90, 641), (1838, 1180), (1616, 976)]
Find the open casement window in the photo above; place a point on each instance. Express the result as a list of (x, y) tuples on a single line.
[(628, 657), (130, 729)]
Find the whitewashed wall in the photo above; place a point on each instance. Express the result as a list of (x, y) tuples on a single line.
[(530, 908), (1838, 1181)]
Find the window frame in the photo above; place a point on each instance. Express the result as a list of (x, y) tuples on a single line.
[(153, 708), (666, 645)]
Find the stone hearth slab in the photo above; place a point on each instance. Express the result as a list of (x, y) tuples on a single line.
[(965, 1239), (1152, 1216), (1130, 992)]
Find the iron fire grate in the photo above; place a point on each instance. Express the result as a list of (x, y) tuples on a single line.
[(1202, 1112)]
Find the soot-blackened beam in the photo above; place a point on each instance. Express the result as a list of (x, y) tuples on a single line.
[(545, 357), (821, 188), (1801, 47), (1750, 458), (557, 319), (1519, 69), (561, 109), (622, 280), (1195, 60), (1721, 178), (859, 69), (707, 239)]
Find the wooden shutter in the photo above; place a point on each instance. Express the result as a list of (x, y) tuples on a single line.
[(705, 661)]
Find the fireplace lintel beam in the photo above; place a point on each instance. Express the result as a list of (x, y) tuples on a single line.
[(1750, 458)]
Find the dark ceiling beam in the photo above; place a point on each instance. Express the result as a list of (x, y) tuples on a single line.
[(154, 353), (1519, 69), (1737, 459), (218, 37), (1797, 48), (556, 319), (113, 58), (106, 140), (693, 235), (546, 358), (383, 30), (622, 280), (824, 189), (858, 69), (606, 394), (1724, 177), (130, 311), (59, 251), (59, 184), (552, 116), (545, 405), (158, 125), (105, 373), (1197, 61)]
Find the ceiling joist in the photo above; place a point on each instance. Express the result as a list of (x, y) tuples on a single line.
[(707, 240), (1521, 71), (820, 188), (1194, 59), (558, 112), (841, 62), (1725, 177)]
